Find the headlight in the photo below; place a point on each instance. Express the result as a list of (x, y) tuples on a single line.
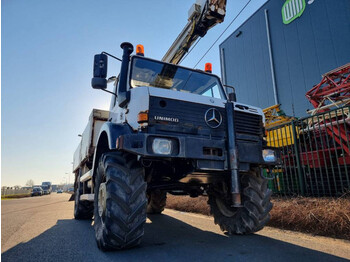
[(269, 155), (162, 146)]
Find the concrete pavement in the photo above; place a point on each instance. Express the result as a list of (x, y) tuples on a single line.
[(43, 229)]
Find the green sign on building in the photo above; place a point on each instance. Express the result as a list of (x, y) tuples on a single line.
[(292, 9)]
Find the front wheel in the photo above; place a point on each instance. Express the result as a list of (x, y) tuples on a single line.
[(120, 202), (253, 215)]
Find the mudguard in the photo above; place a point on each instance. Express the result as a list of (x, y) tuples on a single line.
[(107, 140), (113, 131)]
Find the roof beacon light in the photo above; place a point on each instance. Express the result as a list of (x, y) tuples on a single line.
[(208, 68), (140, 50)]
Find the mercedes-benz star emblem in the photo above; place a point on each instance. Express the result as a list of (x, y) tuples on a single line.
[(213, 118)]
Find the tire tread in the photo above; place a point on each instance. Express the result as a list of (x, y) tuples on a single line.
[(122, 227), (156, 202), (254, 214)]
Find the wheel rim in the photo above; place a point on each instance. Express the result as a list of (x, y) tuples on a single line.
[(226, 211), (102, 200)]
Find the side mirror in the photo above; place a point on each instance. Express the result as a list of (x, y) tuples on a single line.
[(99, 80), (231, 95)]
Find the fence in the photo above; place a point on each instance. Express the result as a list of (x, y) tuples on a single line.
[(315, 153), (11, 191)]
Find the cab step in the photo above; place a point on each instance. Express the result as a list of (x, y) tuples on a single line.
[(87, 197)]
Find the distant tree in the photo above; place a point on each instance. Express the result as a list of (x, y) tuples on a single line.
[(3, 190), (30, 182), (17, 186)]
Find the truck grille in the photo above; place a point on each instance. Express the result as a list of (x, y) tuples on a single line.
[(190, 117), (247, 123)]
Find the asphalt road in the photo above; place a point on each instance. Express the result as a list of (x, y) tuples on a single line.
[(43, 229)]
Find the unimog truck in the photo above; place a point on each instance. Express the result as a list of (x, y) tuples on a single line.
[(169, 130)]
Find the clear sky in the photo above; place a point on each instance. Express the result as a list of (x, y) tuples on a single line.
[(47, 54)]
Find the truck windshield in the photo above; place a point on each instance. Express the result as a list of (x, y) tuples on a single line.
[(146, 72)]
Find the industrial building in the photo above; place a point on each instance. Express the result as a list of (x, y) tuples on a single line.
[(282, 50)]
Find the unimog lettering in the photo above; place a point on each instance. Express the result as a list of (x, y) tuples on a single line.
[(169, 119)]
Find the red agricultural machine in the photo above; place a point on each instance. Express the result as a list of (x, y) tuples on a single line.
[(332, 91), (315, 150), (331, 115)]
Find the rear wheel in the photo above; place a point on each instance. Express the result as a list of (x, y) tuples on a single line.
[(253, 215), (156, 202), (82, 209), (120, 202)]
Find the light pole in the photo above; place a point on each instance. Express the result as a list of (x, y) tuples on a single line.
[(64, 182), (68, 178)]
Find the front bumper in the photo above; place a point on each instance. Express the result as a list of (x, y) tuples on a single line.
[(210, 154), (183, 146)]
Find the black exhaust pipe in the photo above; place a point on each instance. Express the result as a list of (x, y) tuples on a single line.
[(123, 94)]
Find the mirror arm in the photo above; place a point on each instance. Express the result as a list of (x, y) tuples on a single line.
[(109, 92), (112, 79), (105, 53), (232, 95), (234, 89)]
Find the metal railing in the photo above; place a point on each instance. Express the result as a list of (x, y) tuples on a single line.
[(11, 191), (315, 153)]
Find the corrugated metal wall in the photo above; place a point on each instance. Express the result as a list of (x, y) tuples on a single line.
[(303, 50)]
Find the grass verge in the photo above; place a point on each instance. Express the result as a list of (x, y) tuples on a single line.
[(319, 216), (3, 197)]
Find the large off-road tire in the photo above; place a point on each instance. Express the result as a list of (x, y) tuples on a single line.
[(82, 209), (156, 202), (254, 213), (120, 202)]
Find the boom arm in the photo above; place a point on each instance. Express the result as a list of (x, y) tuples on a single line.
[(203, 15)]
